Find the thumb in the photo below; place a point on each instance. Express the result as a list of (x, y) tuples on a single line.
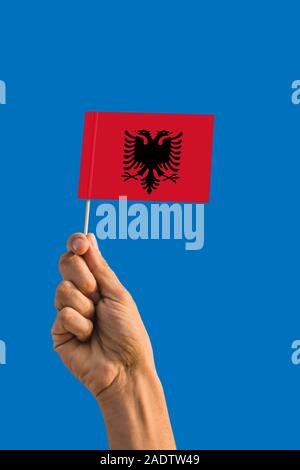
[(78, 243), (108, 282)]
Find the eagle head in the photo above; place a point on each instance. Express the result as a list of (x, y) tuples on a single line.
[(143, 132), (163, 133)]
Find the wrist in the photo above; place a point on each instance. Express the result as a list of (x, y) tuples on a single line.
[(135, 412)]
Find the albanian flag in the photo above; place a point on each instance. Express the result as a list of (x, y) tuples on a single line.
[(149, 157)]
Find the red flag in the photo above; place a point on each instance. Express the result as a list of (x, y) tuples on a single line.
[(149, 157)]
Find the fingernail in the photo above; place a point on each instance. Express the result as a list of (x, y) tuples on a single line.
[(76, 244), (94, 241)]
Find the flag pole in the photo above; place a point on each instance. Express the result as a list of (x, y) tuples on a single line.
[(87, 216)]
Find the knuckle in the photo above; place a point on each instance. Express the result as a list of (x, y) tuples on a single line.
[(64, 288), (88, 286), (68, 259), (75, 260), (63, 293), (66, 315), (63, 260)]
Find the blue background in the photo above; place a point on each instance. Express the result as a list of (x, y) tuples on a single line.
[(221, 319)]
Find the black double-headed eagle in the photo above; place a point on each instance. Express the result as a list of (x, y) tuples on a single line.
[(151, 160)]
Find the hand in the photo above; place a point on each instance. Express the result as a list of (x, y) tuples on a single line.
[(100, 337), (98, 331)]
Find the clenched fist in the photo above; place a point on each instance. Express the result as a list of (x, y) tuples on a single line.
[(100, 337)]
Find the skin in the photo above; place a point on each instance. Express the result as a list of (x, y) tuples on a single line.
[(100, 337)]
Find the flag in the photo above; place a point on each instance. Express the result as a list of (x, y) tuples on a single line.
[(148, 157)]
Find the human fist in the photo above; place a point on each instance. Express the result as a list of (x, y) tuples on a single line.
[(98, 331)]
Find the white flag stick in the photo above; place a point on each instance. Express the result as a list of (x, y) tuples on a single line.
[(87, 216)]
